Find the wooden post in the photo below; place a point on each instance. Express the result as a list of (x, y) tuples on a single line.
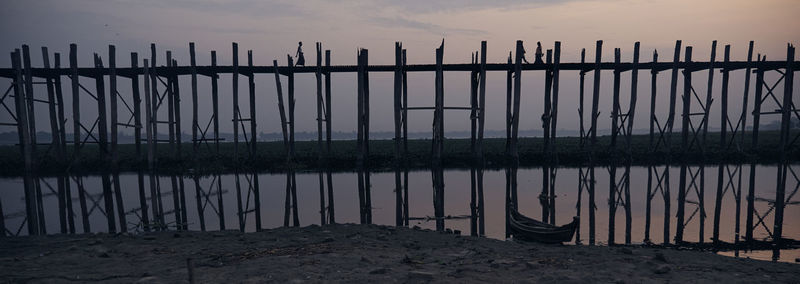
[(24, 142), (544, 199), (612, 186), (251, 83), (328, 125), (76, 110), (405, 140), (753, 150), (786, 112), (235, 94), (102, 129), (707, 110), (150, 130), (481, 121), (63, 139), (113, 93), (30, 101), (195, 124), (137, 134), (178, 142), (321, 154), (743, 119), (473, 102), (215, 120), (687, 94), (155, 101), (55, 134), (398, 81), (290, 97), (651, 168), (582, 144), (593, 137), (553, 128), (670, 122), (722, 141), (628, 134)]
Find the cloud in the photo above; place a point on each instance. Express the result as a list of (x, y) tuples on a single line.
[(397, 21)]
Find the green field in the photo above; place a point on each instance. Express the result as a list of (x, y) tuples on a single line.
[(270, 156)]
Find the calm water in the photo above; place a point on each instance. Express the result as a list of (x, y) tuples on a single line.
[(457, 198)]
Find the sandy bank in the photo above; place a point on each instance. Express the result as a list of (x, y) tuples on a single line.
[(358, 253)]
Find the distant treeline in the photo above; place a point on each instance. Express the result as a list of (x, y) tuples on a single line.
[(270, 156), (10, 138)]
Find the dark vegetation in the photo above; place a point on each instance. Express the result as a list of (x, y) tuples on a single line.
[(271, 156)]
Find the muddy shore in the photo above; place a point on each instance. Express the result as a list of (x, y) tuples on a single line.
[(358, 253)]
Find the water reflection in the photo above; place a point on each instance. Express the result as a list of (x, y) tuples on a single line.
[(471, 201)]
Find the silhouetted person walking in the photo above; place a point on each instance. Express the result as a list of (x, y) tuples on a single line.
[(301, 60), (539, 53)]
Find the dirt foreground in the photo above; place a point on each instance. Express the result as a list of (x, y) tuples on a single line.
[(358, 253)]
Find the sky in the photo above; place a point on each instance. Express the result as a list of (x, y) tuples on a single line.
[(272, 29)]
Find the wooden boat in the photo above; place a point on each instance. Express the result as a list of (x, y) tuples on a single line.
[(525, 228)]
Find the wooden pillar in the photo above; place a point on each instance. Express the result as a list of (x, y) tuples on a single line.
[(63, 139), (786, 116), (613, 186), (102, 129), (151, 135), (582, 144), (544, 199), (743, 119), (553, 128), (687, 95), (722, 141), (405, 139), (195, 124), (235, 94), (137, 134), (593, 138), (215, 121), (251, 83), (670, 122), (25, 143), (156, 103), (31, 100), (113, 93), (651, 148), (328, 126), (398, 81), (76, 106), (321, 155), (178, 142), (754, 149), (707, 110), (481, 122), (628, 134), (55, 134)]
